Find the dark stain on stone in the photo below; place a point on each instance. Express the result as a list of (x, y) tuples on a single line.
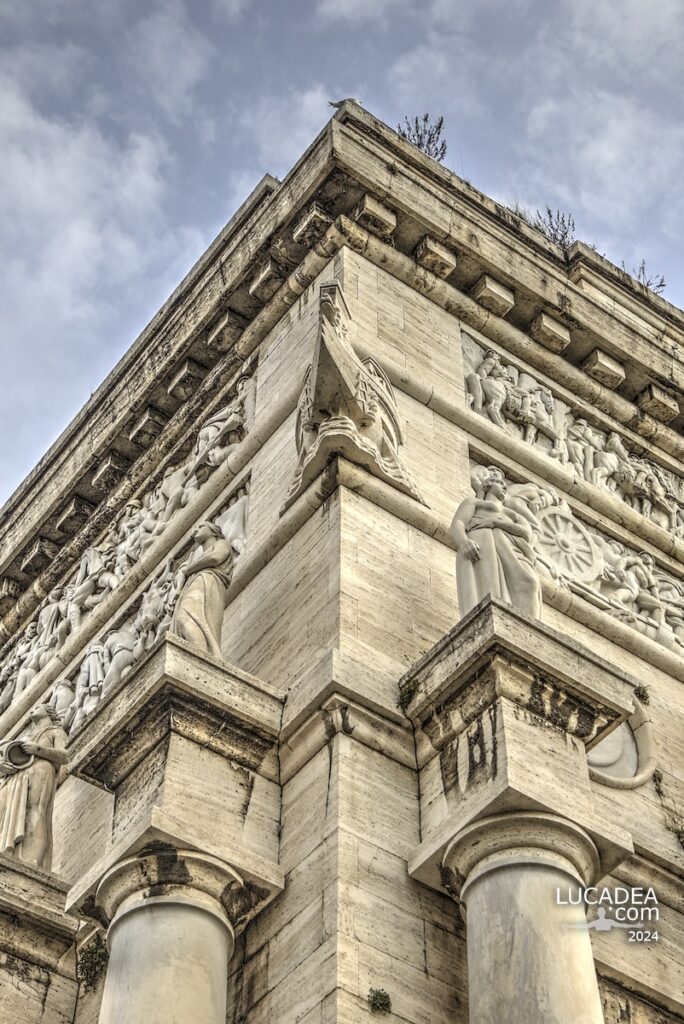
[(536, 702), (448, 765), (477, 752), (586, 720), (249, 789), (491, 711)]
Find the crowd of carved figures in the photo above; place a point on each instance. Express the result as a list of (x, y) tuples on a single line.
[(186, 598), (508, 535), (104, 565), (515, 401)]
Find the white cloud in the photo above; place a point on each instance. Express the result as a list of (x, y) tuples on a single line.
[(231, 9), (614, 157), (81, 227), (283, 125), (169, 57), (359, 10)]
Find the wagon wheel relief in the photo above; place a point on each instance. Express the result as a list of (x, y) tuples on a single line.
[(565, 544)]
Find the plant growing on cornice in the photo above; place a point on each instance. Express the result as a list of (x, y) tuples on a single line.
[(654, 282), (559, 227), (642, 693), (425, 135)]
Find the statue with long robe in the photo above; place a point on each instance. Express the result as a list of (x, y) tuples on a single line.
[(29, 770), (205, 578), (494, 545)]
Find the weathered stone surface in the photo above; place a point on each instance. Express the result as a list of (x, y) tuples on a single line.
[(550, 332), (493, 295), (246, 817), (375, 216), (37, 959), (661, 404), (604, 368), (435, 257)]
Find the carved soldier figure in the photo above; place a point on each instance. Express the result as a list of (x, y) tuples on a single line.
[(156, 609), (49, 621), (198, 616), (30, 766), (582, 443), (489, 386), (96, 577), (8, 680), (121, 649), (227, 423), (88, 683), (640, 567), (26, 664), (494, 549)]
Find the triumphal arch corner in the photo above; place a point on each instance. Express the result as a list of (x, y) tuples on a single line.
[(342, 632)]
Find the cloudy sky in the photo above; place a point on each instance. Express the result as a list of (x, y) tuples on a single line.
[(130, 130)]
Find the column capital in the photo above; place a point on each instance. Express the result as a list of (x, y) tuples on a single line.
[(522, 837), (161, 872)]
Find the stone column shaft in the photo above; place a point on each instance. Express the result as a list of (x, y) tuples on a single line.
[(529, 958), (170, 939), (168, 963)]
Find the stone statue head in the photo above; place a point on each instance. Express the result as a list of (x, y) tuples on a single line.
[(43, 711), (494, 482), (203, 531)]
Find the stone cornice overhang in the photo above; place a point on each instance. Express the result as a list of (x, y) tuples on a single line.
[(354, 154), (489, 237)]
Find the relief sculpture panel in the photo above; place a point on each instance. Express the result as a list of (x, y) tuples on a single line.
[(105, 564), (518, 403), (509, 535), (187, 598)]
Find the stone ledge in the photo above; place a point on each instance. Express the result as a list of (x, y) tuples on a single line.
[(36, 926), (175, 689), (493, 627), (36, 895)]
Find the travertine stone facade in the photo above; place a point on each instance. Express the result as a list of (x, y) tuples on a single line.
[(352, 605)]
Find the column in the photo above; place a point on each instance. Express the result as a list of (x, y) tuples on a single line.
[(170, 938), (529, 957)]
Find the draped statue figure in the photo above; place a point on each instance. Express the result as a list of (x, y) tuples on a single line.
[(204, 579), (494, 542), (29, 769)]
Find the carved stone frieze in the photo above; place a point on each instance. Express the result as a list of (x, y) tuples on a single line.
[(517, 402), (187, 598), (510, 534), (347, 407), (105, 564)]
